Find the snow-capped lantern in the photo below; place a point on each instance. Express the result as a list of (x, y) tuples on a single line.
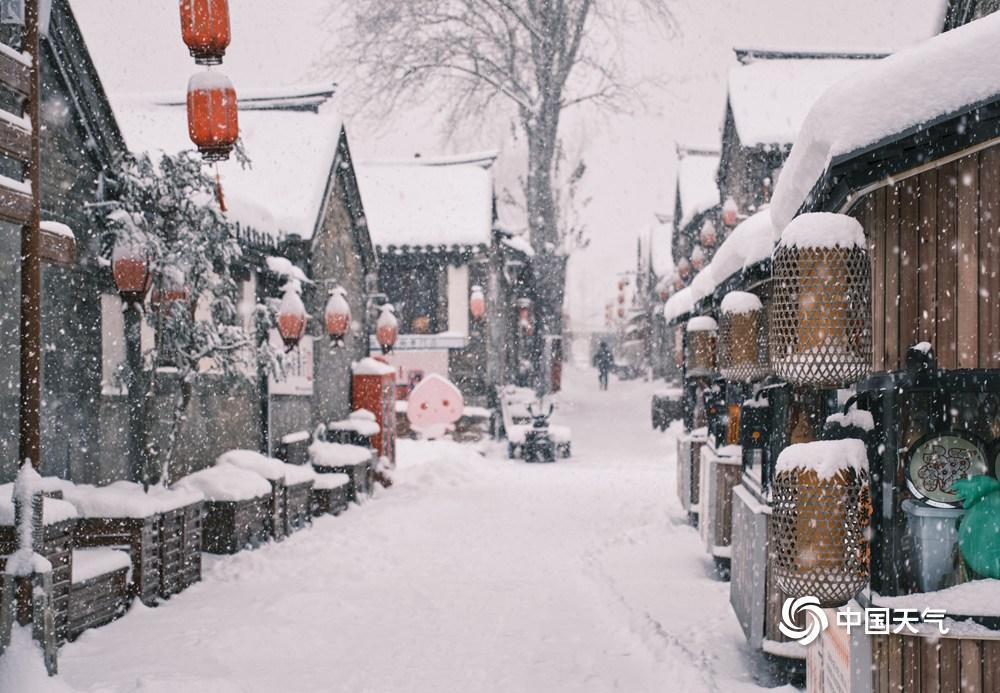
[(387, 328), (708, 236), (621, 311), (743, 354), (698, 259), (820, 318), (524, 318), (171, 287), (292, 316), (213, 122), (205, 29), (730, 212), (477, 303), (819, 522), (684, 268), (130, 269), (699, 354), (337, 316)]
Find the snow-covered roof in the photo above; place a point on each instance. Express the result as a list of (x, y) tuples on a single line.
[(291, 155), (697, 189), (750, 242), (910, 89), (428, 202), (679, 304), (770, 98)]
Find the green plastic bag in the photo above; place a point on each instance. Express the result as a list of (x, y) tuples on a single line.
[(979, 533)]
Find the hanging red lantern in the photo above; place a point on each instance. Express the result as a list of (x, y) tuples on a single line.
[(707, 235), (170, 288), (130, 269), (292, 317), (698, 258), (664, 295), (205, 29), (524, 318), (730, 212), (477, 303), (621, 311), (684, 268), (337, 316), (387, 328), (213, 121)]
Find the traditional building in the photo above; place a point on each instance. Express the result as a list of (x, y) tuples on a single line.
[(433, 223)]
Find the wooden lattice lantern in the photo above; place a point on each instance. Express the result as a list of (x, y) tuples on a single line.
[(820, 516), (213, 121), (820, 319), (205, 29), (387, 328), (292, 316), (743, 338), (337, 316), (700, 345)]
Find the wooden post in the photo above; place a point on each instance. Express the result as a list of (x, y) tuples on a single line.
[(137, 457), (29, 438)]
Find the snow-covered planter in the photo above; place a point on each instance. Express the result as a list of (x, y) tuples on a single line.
[(331, 494), (99, 592), (237, 506), (743, 338), (699, 355), (353, 460), (299, 481), (274, 472), (821, 507), (180, 538), (820, 320)]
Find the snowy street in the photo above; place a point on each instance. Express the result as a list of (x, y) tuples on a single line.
[(470, 574)]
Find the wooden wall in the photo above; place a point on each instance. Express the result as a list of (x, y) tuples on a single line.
[(934, 665), (934, 240)]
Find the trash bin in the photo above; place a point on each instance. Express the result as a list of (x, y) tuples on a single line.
[(933, 535)]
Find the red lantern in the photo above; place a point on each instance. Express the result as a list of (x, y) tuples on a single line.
[(205, 29), (621, 311), (524, 320), (477, 303), (213, 122), (130, 269), (698, 258), (708, 236), (664, 295), (621, 298), (387, 328), (684, 268), (337, 316), (730, 212), (292, 317), (171, 287)]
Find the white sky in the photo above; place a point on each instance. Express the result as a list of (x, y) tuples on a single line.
[(137, 48)]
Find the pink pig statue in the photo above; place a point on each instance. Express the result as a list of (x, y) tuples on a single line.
[(434, 404)]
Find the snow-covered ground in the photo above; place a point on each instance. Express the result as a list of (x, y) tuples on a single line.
[(473, 573)]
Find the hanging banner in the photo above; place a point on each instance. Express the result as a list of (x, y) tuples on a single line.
[(297, 372)]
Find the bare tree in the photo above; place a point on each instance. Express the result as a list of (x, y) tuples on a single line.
[(538, 56)]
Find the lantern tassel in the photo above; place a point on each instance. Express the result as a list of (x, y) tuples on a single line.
[(218, 190)]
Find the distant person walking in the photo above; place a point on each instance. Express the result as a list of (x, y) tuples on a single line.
[(604, 360)]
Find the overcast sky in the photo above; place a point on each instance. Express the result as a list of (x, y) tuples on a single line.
[(137, 48)]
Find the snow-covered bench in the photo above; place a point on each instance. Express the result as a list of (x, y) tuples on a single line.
[(236, 507), (357, 462)]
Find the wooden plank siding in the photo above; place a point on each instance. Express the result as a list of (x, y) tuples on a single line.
[(934, 240)]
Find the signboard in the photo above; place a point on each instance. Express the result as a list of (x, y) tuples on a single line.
[(297, 367), (424, 342), (829, 660)]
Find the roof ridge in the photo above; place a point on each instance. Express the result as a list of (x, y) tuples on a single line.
[(747, 56)]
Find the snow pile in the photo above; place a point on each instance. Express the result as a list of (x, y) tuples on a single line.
[(371, 366), (121, 499), (770, 98), (912, 88), (696, 185), (22, 667), (167, 499), (323, 454), (427, 202), (740, 303), (976, 598), (56, 228), (519, 243), (326, 482), (823, 230), (750, 242), (360, 421), (855, 418), (678, 305), (702, 323), (825, 457), (225, 482), (296, 474), (24, 561), (297, 437), (89, 563), (252, 461)]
